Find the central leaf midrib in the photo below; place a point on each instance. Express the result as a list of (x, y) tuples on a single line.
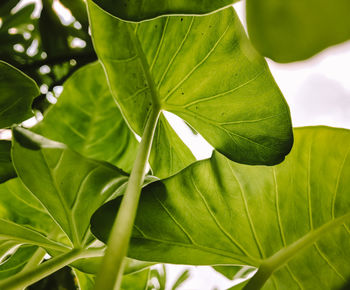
[(146, 69)]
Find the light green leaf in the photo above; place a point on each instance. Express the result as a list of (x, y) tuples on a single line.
[(6, 168), (88, 120), (23, 220), (203, 69), (134, 281), (68, 185), (291, 220), (287, 31), (169, 154), (137, 10), (17, 93), (16, 261)]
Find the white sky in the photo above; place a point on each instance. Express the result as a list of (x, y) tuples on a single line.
[(318, 93)]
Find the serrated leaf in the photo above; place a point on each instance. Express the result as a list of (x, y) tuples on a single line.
[(137, 10), (87, 119), (287, 31), (17, 93), (70, 186), (292, 220), (204, 70)]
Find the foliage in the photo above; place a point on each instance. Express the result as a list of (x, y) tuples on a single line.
[(74, 186)]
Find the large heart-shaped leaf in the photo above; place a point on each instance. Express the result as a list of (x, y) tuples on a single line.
[(87, 119), (289, 31), (137, 10), (203, 69), (291, 220), (70, 186), (17, 93), (6, 168)]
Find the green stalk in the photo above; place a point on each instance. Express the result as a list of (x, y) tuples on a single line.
[(277, 260), (26, 278), (35, 260), (111, 271)]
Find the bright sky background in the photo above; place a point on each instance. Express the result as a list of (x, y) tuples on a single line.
[(318, 93)]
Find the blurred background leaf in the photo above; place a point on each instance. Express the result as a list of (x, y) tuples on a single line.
[(35, 38)]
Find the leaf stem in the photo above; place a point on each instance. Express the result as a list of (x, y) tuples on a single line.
[(277, 260), (26, 278), (112, 266), (35, 260)]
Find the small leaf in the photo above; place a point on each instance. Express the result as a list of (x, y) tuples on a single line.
[(203, 69), (17, 93), (88, 120), (133, 281), (7, 170), (137, 10), (70, 186), (292, 219), (287, 31)]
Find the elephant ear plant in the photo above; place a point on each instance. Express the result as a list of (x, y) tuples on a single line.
[(77, 186)]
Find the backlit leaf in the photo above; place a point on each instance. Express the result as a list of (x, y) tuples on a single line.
[(203, 69), (292, 219)]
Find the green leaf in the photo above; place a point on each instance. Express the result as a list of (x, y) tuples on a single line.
[(88, 120), (169, 154), (204, 70), (291, 220), (23, 219), (287, 31), (235, 272), (134, 281), (137, 10), (17, 261), (70, 186), (6, 168), (17, 93)]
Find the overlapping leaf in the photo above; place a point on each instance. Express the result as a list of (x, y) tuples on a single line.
[(289, 31), (293, 217), (17, 93), (23, 219), (88, 120), (203, 69), (68, 185)]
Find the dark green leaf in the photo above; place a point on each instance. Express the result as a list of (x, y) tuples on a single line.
[(203, 69), (288, 31), (137, 10), (292, 218), (17, 93), (6, 168), (70, 186), (88, 120)]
